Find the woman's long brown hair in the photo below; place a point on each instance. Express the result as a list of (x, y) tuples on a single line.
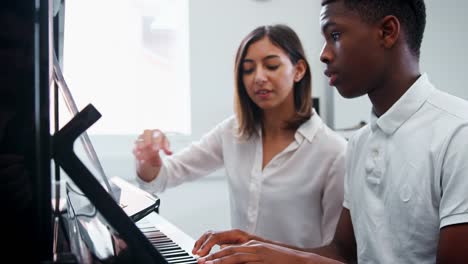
[(248, 114)]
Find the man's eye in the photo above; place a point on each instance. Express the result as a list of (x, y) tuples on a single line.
[(335, 35)]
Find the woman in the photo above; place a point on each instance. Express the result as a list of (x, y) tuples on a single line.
[(285, 167)]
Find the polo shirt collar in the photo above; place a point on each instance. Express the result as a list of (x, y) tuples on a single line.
[(404, 108)]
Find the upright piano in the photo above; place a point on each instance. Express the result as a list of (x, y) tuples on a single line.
[(101, 222)]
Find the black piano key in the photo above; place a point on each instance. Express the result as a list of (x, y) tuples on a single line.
[(149, 230), (165, 244), (160, 240), (176, 247), (168, 247), (155, 235), (174, 254), (158, 244), (156, 239)]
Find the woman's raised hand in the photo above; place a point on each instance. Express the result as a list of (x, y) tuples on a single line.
[(146, 152)]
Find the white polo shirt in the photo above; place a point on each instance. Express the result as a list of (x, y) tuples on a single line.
[(296, 199), (407, 176)]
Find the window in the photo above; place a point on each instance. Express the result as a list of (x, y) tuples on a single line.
[(130, 59)]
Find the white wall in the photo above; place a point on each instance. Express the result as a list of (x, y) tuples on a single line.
[(444, 54), (443, 57), (217, 28)]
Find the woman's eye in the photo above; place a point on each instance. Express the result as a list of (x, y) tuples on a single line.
[(335, 35), (247, 71), (272, 67)]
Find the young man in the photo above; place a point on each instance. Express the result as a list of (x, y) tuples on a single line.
[(406, 188)]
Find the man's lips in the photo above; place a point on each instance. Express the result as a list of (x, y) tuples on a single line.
[(332, 76)]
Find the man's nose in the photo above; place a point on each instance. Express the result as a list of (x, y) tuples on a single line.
[(326, 55)]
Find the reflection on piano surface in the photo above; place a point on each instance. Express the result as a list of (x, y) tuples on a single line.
[(93, 241)]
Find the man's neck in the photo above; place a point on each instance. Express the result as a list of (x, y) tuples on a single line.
[(400, 78)]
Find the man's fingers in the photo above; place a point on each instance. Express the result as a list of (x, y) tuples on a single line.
[(206, 246), (232, 255), (237, 258), (201, 247), (220, 238), (199, 242)]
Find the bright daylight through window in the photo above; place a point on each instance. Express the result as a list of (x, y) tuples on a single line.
[(130, 59)]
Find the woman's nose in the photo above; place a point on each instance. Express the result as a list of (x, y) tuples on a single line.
[(260, 77)]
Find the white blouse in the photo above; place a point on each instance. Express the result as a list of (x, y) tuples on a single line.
[(296, 199)]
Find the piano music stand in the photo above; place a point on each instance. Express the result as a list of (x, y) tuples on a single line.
[(143, 251)]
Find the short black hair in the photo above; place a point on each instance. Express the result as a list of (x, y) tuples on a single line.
[(410, 13)]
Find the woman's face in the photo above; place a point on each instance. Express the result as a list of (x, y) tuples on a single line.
[(269, 75)]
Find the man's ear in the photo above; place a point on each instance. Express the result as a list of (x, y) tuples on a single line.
[(389, 31), (301, 67)]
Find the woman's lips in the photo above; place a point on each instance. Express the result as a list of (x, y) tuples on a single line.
[(263, 94)]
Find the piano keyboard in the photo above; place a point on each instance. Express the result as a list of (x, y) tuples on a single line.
[(171, 242)]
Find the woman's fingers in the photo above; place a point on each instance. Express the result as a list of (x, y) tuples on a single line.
[(148, 145), (166, 146)]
